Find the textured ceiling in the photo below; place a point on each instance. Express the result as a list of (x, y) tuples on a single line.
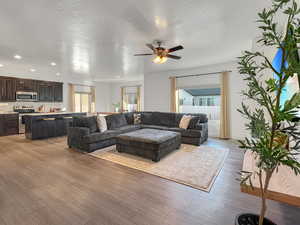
[(96, 39)]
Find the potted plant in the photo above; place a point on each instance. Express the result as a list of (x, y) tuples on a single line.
[(270, 120), (117, 106)]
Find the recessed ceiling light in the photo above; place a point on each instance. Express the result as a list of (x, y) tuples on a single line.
[(18, 57), (32, 70), (1, 65), (57, 74), (53, 64)]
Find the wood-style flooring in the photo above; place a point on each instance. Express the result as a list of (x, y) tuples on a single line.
[(45, 183)]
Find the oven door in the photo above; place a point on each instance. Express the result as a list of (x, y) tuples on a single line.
[(26, 96)]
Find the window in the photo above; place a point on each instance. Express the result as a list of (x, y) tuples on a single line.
[(82, 102), (131, 99)]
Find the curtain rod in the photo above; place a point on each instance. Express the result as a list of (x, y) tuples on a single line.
[(202, 74)]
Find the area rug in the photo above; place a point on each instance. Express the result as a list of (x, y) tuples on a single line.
[(195, 166)]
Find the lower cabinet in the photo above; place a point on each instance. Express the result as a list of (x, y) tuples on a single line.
[(9, 124)]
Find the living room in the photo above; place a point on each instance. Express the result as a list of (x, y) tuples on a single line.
[(150, 112)]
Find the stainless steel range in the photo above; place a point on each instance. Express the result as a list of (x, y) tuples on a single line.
[(23, 110)]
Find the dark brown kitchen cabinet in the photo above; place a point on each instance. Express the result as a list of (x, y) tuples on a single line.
[(9, 124), (58, 92), (46, 92), (7, 89), (26, 85)]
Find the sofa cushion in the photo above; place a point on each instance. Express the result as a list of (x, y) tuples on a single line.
[(86, 121), (164, 119), (137, 118), (154, 127), (175, 129), (129, 128), (147, 118), (129, 118), (193, 122), (186, 133), (97, 136), (116, 121)]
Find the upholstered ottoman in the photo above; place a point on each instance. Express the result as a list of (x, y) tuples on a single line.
[(149, 143)]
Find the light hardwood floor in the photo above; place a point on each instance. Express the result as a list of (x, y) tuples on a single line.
[(45, 183)]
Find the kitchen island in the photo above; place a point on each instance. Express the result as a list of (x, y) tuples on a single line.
[(46, 125)]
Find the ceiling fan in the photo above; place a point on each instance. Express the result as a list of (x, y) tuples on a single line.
[(162, 54)]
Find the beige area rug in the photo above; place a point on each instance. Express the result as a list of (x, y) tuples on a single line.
[(194, 166)]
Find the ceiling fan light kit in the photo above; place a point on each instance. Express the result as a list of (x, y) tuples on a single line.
[(162, 54), (160, 60)]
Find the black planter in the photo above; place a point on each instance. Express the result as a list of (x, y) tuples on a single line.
[(251, 219)]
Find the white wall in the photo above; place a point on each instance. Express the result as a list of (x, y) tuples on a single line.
[(157, 92), (103, 97), (109, 93)]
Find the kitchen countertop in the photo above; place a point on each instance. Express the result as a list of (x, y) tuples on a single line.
[(7, 113), (52, 114), (47, 113)]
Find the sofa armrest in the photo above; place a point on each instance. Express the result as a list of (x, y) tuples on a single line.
[(78, 131), (75, 136)]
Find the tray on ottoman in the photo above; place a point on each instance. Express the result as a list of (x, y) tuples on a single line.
[(149, 143)]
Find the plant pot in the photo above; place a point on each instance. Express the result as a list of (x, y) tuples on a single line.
[(251, 219)]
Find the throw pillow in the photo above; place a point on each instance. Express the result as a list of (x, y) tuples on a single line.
[(137, 118), (101, 122), (194, 122), (185, 121)]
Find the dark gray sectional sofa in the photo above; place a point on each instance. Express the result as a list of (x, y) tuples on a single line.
[(84, 134)]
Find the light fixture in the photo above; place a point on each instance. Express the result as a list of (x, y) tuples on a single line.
[(1, 65), (57, 74), (32, 70), (18, 57), (53, 64), (160, 59)]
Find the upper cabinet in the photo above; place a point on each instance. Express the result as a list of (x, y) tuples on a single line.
[(26, 85), (47, 91), (50, 91), (7, 89), (58, 92)]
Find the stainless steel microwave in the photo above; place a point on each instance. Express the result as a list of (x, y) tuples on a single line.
[(26, 96)]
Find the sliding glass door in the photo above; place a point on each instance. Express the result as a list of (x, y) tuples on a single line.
[(202, 100)]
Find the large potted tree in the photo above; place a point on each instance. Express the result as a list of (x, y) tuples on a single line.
[(270, 119)]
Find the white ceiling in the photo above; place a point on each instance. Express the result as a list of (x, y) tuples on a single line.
[(96, 39)]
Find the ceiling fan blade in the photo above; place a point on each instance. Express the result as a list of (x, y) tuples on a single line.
[(179, 47), (150, 46), (173, 56), (143, 54)]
